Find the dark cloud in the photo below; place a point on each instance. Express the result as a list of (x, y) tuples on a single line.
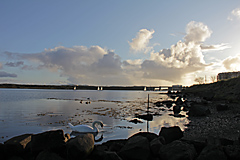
[(14, 64), (5, 74)]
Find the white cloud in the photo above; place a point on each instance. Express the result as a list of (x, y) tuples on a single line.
[(235, 14), (140, 43), (232, 63), (197, 32)]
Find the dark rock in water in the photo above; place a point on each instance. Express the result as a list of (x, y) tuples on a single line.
[(135, 121), (177, 150), (80, 147), (171, 134), (176, 109), (222, 107), (147, 117), (179, 100), (150, 136), (137, 148), (50, 140), (232, 152), (199, 110), (211, 152), (47, 155)]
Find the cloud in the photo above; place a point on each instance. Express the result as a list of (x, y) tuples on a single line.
[(140, 43), (183, 58), (235, 14), (1, 66), (232, 63), (14, 64), (215, 47), (197, 32), (96, 65), (5, 74)]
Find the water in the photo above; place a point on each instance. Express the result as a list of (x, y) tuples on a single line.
[(34, 111)]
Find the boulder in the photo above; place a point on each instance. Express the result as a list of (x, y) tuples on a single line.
[(47, 155), (136, 148), (50, 140), (199, 110), (176, 109), (155, 145), (171, 134), (21, 140), (222, 107), (177, 150), (211, 152), (111, 156), (150, 136), (80, 147), (147, 117)]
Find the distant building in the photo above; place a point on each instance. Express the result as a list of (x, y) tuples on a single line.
[(227, 75)]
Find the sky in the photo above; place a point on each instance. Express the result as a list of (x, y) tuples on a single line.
[(128, 42)]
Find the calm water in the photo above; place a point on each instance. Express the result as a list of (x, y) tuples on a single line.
[(34, 111)]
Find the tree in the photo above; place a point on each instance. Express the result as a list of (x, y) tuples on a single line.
[(213, 78), (200, 80)]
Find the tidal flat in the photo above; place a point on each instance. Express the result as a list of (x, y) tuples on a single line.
[(34, 111)]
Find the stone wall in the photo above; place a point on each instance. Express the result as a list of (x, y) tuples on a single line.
[(227, 75)]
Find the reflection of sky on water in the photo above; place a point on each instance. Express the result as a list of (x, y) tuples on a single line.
[(31, 111)]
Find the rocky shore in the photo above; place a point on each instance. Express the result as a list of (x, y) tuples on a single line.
[(169, 144), (213, 133)]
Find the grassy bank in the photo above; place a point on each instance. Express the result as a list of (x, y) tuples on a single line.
[(227, 90)]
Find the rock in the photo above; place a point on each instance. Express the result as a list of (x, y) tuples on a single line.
[(222, 107), (176, 109), (147, 117), (177, 150), (20, 141), (155, 146), (150, 136), (211, 152), (198, 143), (232, 152), (171, 134), (137, 148), (80, 147), (135, 121), (50, 140), (111, 156), (47, 155), (114, 145), (199, 110)]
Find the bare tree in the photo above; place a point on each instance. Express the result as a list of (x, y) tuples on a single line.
[(200, 80), (213, 78)]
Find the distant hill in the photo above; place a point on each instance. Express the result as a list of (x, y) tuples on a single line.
[(222, 90)]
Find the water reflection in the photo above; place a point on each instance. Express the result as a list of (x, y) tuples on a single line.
[(34, 111)]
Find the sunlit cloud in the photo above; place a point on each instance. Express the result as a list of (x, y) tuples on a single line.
[(232, 63), (140, 43), (235, 14)]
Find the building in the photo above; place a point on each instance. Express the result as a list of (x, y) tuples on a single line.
[(227, 75)]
